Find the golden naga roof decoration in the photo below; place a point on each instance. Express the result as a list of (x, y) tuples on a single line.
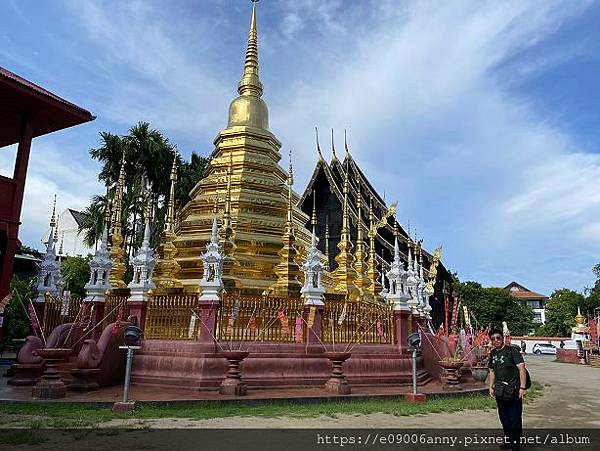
[(437, 255), (117, 254)]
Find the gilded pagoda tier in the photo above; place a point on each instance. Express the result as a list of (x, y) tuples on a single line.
[(258, 203)]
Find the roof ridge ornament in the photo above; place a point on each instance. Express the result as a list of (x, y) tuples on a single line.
[(318, 146), (334, 156)]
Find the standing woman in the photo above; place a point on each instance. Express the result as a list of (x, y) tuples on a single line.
[(508, 379)]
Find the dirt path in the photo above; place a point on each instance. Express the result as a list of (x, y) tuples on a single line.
[(570, 401)]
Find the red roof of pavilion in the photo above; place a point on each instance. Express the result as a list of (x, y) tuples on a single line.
[(49, 112)]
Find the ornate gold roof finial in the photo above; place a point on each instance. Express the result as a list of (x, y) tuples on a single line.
[(167, 268), (345, 274), (346, 143), (288, 270), (334, 156), (170, 218), (250, 83), (362, 282), (313, 218), (227, 212), (117, 254), (290, 183), (372, 274), (327, 241), (318, 146)]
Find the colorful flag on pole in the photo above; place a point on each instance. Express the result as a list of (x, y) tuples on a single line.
[(454, 312), (298, 330), (311, 316), (467, 318)]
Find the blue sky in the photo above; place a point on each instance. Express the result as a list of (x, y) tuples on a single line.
[(480, 118)]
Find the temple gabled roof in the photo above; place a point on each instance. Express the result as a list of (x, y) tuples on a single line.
[(335, 173)]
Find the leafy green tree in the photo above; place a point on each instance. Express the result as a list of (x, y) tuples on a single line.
[(148, 160), (560, 313), (491, 306), (16, 319), (75, 272)]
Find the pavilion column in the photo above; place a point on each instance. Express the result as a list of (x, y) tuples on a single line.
[(19, 176)]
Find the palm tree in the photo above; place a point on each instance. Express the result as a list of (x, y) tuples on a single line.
[(92, 223)]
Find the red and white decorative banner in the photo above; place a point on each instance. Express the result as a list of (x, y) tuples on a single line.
[(283, 320), (446, 307), (380, 329), (33, 318), (343, 314)]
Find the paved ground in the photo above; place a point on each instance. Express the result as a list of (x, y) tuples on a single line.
[(570, 401)]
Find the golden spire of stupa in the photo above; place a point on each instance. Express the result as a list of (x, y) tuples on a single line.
[(250, 83), (362, 282), (249, 109), (165, 272), (117, 254), (288, 270), (345, 274), (374, 285)]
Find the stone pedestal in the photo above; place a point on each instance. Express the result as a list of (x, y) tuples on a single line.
[(337, 383), (121, 406), (84, 379), (313, 334), (232, 384), (26, 374), (138, 310), (208, 317), (401, 320), (51, 385)]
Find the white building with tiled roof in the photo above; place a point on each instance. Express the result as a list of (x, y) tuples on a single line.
[(525, 296)]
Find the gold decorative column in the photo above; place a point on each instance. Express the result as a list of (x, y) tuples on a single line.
[(372, 273), (345, 274), (288, 270), (165, 272), (117, 254), (362, 281)]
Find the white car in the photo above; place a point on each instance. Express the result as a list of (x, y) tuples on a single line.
[(544, 348)]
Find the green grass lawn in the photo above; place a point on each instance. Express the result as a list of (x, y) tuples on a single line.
[(74, 415)]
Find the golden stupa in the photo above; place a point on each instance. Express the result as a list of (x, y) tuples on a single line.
[(262, 231)]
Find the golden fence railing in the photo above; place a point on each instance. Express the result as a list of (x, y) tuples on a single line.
[(113, 303), (268, 323), (59, 311), (170, 317), (361, 322)]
